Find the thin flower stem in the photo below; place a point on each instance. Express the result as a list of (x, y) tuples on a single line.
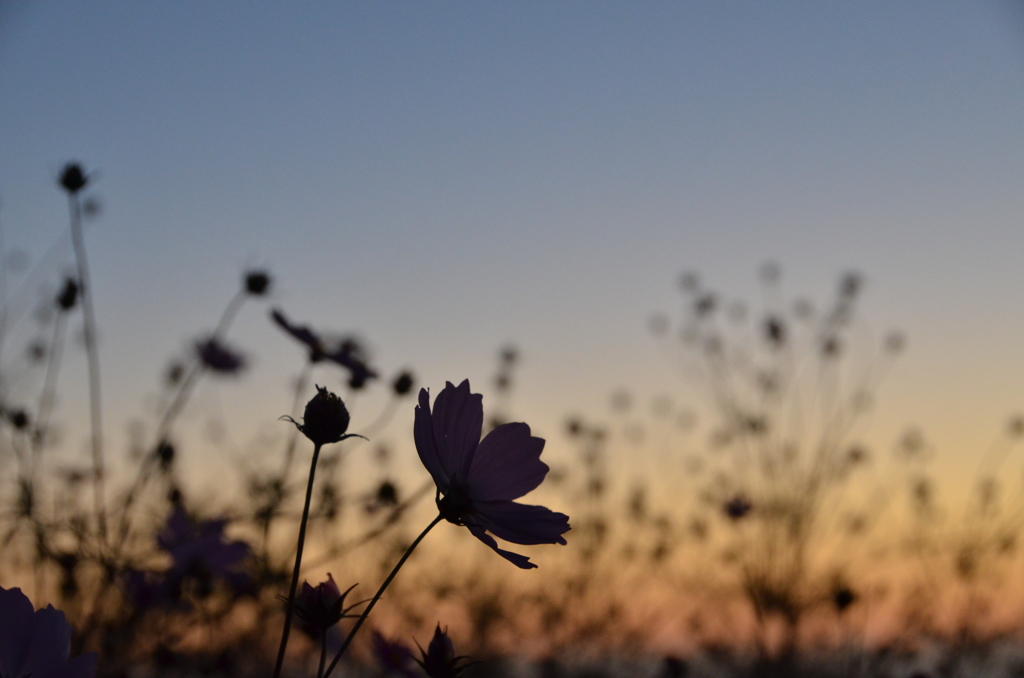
[(93, 358), (376, 596), (298, 566), (50, 384), (323, 655)]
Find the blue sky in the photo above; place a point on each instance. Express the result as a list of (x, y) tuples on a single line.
[(448, 177)]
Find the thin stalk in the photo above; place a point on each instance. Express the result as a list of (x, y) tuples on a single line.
[(93, 358), (298, 565), (50, 383), (376, 597), (323, 654)]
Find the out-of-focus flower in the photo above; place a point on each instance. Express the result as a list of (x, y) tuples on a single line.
[(403, 383), (439, 660), (322, 606), (393, 658), (843, 597), (19, 420), (72, 179), (737, 507), (480, 478), (200, 552), (68, 295), (325, 419), (217, 357), (348, 352), (37, 643), (257, 283)]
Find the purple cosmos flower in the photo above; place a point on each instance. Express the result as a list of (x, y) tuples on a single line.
[(480, 478), (198, 551), (738, 507), (36, 643), (348, 352), (217, 357), (439, 660), (393, 658)]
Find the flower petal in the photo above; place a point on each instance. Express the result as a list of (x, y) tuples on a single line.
[(516, 559), (300, 332), (458, 419), (82, 666), (521, 523), (426, 446), (507, 464), (17, 618), (51, 643)]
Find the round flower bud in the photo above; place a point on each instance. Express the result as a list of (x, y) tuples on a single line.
[(72, 178), (325, 419), (257, 283)]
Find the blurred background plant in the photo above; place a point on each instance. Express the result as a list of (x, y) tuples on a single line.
[(773, 527)]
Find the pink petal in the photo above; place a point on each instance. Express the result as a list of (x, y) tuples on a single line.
[(522, 523), (507, 464), (458, 419), (516, 559), (423, 433)]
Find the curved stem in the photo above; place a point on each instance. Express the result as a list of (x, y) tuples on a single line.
[(93, 358), (376, 596), (298, 565)]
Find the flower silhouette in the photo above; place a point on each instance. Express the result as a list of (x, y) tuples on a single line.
[(479, 478), (322, 606), (348, 352), (393, 658), (217, 357), (200, 554), (439, 659), (36, 643)]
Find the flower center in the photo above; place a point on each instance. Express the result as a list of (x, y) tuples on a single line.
[(455, 504)]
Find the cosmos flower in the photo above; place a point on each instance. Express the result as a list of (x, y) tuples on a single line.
[(393, 658), (36, 643), (479, 478), (737, 507), (217, 357), (348, 352), (199, 552), (439, 660)]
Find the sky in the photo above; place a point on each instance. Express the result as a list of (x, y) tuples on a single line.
[(446, 178)]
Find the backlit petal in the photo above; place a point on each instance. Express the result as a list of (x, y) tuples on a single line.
[(521, 523), (51, 643), (17, 618), (516, 559), (426, 445), (458, 418), (507, 464)]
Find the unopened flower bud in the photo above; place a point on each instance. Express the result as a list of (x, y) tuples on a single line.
[(257, 283), (322, 606), (326, 419), (73, 178)]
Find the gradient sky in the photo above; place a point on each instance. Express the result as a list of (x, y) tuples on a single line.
[(448, 177)]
